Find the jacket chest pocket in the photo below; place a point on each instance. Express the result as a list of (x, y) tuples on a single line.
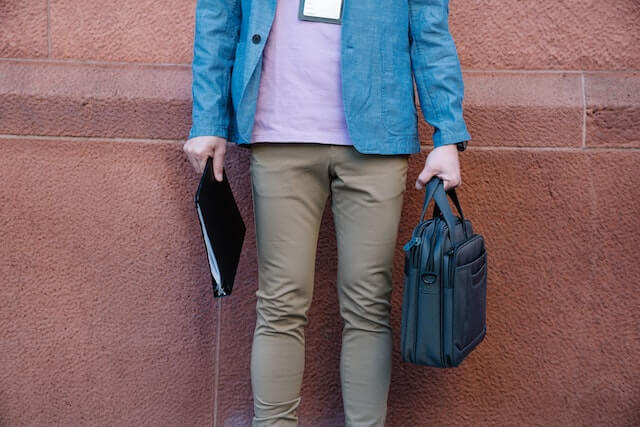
[(398, 109)]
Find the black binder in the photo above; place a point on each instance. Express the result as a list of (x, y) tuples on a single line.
[(222, 228)]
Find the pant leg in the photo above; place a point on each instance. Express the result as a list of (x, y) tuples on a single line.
[(290, 187), (367, 196)]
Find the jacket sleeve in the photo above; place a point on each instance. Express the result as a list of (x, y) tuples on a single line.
[(436, 69), (217, 27)]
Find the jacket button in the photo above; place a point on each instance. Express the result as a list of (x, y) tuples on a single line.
[(256, 38)]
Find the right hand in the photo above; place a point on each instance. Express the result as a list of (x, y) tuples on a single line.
[(443, 162), (199, 148)]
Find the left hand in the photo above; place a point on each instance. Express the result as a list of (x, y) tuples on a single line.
[(442, 162)]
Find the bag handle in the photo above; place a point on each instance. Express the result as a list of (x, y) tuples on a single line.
[(435, 190), (452, 194), (430, 190)]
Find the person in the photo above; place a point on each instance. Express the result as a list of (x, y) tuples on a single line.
[(321, 92)]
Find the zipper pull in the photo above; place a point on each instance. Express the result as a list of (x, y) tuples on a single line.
[(411, 243)]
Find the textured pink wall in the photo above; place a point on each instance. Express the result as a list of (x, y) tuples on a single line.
[(106, 312)]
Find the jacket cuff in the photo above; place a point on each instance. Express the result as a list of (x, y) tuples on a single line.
[(444, 138), (221, 131)]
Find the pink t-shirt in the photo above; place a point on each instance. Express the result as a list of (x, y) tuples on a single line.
[(300, 94)]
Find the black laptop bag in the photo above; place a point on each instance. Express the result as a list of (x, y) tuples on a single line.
[(445, 285)]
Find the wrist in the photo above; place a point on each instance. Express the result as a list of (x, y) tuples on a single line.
[(448, 147)]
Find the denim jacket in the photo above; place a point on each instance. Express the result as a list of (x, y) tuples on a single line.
[(385, 45)]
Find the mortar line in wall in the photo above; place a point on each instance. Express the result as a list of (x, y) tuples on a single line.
[(546, 71), (559, 149), (518, 71), (584, 111), (217, 369), (94, 62), (593, 220), (188, 65), (92, 138), (95, 139), (48, 28)]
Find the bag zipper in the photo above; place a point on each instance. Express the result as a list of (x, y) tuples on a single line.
[(415, 240), (450, 272), (430, 265), (430, 262), (419, 278), (443, 361)]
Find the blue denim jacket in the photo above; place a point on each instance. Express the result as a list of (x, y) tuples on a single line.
[(385, 45)]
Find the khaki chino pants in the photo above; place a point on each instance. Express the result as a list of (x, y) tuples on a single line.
[(291, 183)]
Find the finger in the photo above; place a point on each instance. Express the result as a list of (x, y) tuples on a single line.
[(202, 160), (452, 183), (185, 149), (201, 164), (194, 162), (218, 163)]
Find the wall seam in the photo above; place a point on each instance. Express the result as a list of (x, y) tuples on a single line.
[(584, 111), (72, 61), (95, 139), (48, 29), (548, 71), (594, 269), (188, 65), (89, 138), (564, 149), (217, 364)]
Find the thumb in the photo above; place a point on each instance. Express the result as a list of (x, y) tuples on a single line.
[(425, 176)]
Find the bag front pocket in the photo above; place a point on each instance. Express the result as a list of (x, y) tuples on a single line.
[(469, 301)]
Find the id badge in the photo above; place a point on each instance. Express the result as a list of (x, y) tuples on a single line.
[(321, 10)]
